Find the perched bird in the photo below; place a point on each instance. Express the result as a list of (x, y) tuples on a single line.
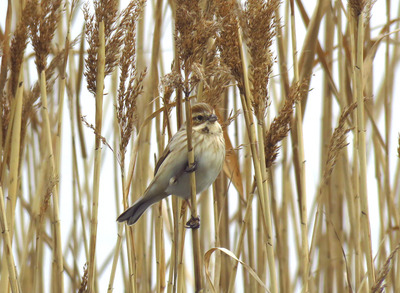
[(172, 173)]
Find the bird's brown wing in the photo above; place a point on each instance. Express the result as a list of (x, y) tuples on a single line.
[(164, 155)]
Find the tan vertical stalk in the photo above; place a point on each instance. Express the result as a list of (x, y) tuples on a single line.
[(386, 166), (181, 280), (250, 234), (8, 255), (355, 175), (197, 259), (15, 132), (97, 158), (282, 225), (301, 161), (262, 195), (14, 155), (131, 251), (153, 88), (57, 256), (217, 267), (330, 243), (118, 245), (239, 244), (361, 142)]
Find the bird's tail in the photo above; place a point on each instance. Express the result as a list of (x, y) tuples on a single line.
[(132, 214)]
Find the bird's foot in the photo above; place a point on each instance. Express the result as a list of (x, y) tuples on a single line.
[(190, 169), (193, 223)]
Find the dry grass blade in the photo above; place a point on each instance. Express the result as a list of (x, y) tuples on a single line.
[(337, 142), (208, 255), (379, 285)]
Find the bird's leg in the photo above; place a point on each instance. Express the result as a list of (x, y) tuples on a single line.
[(190, 169), (193, 223)]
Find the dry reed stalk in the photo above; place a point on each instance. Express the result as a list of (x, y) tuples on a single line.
[(97, 160), (118, 200), (299, 154), (11, 269), (153, 92), (42, 25), (233, 56), (195, 232), (282, 239), (328, 267), (259, 30), (19, 41), (357, 18), (180, 283), (356, 187), (239, 244), (41, 201), (58, 257), (115, 259), (15, 132)]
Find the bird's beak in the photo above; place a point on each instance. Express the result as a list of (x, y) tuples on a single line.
[(213, 118)]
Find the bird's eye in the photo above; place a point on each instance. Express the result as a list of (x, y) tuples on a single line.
[(199, 118)]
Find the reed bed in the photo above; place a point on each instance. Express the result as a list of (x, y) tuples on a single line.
[(307, 93)]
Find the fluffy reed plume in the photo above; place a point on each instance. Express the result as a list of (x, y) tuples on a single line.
[(19, 42), (42, 26), (281, 125), (337, 141), (258, 23), (228, 40), (357, 6), (216, 81), (192, 32), (130, 82), (106, 11)]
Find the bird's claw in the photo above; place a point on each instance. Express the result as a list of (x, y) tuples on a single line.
[(190, 169), (193, 223)]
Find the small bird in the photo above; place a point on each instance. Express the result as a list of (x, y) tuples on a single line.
[(172, 173)]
